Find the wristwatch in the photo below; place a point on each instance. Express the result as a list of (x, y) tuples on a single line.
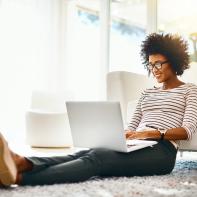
[(162, 132)]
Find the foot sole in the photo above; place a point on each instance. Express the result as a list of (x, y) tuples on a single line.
[(8, 170)]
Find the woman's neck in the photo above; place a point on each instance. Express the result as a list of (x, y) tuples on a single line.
[(172, 84)]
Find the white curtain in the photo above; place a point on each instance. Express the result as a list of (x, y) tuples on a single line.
[(44, 45), (30, 57)]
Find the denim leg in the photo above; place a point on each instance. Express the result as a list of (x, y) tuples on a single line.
[(40, 163), (72, 168), (156, 160)]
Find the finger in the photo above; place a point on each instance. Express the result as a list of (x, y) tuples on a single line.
[(128, 135)]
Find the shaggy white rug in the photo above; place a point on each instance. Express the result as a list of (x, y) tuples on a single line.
[(182, 182)]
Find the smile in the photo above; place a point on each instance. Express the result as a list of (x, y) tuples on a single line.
[(157, 75)]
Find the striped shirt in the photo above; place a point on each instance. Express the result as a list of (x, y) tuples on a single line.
[(167, 109)]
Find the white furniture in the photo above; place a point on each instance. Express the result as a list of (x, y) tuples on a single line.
[(126, 88), (47, 121)]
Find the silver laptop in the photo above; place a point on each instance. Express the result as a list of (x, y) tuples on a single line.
[(100, 125)]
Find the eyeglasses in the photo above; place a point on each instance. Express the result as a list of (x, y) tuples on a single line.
[(157, 65)]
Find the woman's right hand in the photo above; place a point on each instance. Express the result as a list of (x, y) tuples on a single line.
[(140, 135), (129, 133)]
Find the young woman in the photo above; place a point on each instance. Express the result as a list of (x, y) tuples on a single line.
[(167, 113)]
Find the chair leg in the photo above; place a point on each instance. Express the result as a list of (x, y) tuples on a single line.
[(181, 153)]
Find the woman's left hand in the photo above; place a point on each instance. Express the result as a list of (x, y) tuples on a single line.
[(135, 135), (141, 135)]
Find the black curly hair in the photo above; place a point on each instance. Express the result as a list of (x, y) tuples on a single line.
[(173, 47)]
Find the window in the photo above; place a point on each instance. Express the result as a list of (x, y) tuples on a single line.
[(83, 48), (128, 29), (181, 20), (84, 42)]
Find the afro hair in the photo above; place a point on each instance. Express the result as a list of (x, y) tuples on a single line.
[(173, 47)]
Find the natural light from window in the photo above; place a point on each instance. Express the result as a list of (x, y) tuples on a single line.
[(128, 29), (33, 47), (181, 19), (83, 54)]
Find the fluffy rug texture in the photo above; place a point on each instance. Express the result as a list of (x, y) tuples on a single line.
[(182, 182)]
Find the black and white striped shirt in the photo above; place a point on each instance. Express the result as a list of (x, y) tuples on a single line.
[(167, 109)]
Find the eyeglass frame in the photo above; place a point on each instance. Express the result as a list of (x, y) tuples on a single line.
[(158, 67)]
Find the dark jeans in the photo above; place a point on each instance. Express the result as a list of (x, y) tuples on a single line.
[(156, 160)]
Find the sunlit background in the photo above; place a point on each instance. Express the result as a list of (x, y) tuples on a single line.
[(70, 45)]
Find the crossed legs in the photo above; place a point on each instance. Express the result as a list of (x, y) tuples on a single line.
[(83, 165)]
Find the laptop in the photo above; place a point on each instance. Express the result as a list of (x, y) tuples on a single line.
[(99, 125)]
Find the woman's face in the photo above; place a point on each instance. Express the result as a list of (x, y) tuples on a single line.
[(162, 72)]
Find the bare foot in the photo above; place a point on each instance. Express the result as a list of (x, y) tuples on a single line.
[(11, 165), (21, 162)]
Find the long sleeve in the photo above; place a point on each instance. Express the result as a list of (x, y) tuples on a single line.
[(136, 117), (190, 115), (167, 109)]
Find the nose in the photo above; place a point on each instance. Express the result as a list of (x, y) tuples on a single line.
[(154, 70)]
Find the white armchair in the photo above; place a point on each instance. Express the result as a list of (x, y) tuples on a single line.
[(126, 87), (47, 121)]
